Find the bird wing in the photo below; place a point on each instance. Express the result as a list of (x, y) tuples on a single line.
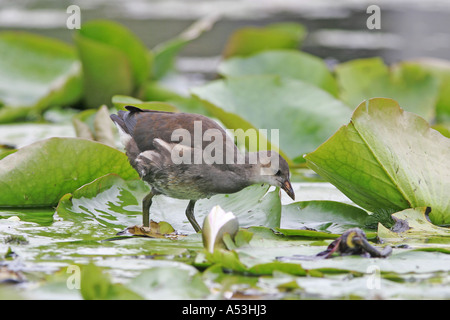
[(186, 129)]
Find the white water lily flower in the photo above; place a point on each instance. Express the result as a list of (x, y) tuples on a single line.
[(217, 223)]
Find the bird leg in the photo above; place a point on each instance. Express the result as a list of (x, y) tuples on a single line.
[(146, 203), (191, 217)]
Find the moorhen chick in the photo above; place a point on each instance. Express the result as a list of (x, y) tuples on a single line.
[(192, 168)]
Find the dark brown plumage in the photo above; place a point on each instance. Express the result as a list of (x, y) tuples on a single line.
[(149, 137)]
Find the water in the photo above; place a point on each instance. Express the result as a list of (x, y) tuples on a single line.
[(337, 30)]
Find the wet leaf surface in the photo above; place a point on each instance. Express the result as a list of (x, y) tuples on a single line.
[(287, 63), (413, 86), (41, 173), (36, 73), (246, 41), (114, 61), (412, 226), (248, 102), (334, 217), (388, 159)]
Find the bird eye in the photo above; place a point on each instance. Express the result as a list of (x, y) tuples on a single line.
[(278, 173)]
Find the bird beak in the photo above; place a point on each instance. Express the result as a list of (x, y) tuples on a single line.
[(286, 186)]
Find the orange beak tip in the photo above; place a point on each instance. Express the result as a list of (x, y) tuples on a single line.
[(289, 190)]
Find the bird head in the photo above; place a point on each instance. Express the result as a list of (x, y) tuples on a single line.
[(274, 170)]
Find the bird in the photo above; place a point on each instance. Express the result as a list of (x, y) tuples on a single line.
[(190, 168)]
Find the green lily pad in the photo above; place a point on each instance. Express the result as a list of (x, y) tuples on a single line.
[(313, 234), (114, 61), (170, 282), (304, 114), (6, 152), (246, 41), (444, 129), (441, 70), (414, 87), (331, 216), (36, 73), (41, 173), (116, 203), (387, 160), (18, 135), (121, 101), (286, 63), (109, 201), (269, 255), (253, 206), (415, 227), (43, 216), (96, 285), (230, 260), (156, 91)]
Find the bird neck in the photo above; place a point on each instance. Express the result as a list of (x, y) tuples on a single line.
[(256, 167)]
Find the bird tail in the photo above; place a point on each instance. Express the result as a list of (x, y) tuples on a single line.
[(125, 124), (118, 120), (126, 120)]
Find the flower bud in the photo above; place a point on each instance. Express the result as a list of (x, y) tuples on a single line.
[(217, 223)]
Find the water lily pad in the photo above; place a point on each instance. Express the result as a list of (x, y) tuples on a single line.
[(304, 114), (231, 260), (287, 63), (114, 61), (246, 41), (388, 160), (35, 73), (440, 69), (41, 173), (444, 129), (109, 201), (415, 228), (414, 87), (170, 283), (253, 206), (334, 217), (157, 91), (97, 285), (117, 203), (121, 102), (313, 234), (18, 135)]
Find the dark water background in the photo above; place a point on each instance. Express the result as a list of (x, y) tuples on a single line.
[(337, 29)]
